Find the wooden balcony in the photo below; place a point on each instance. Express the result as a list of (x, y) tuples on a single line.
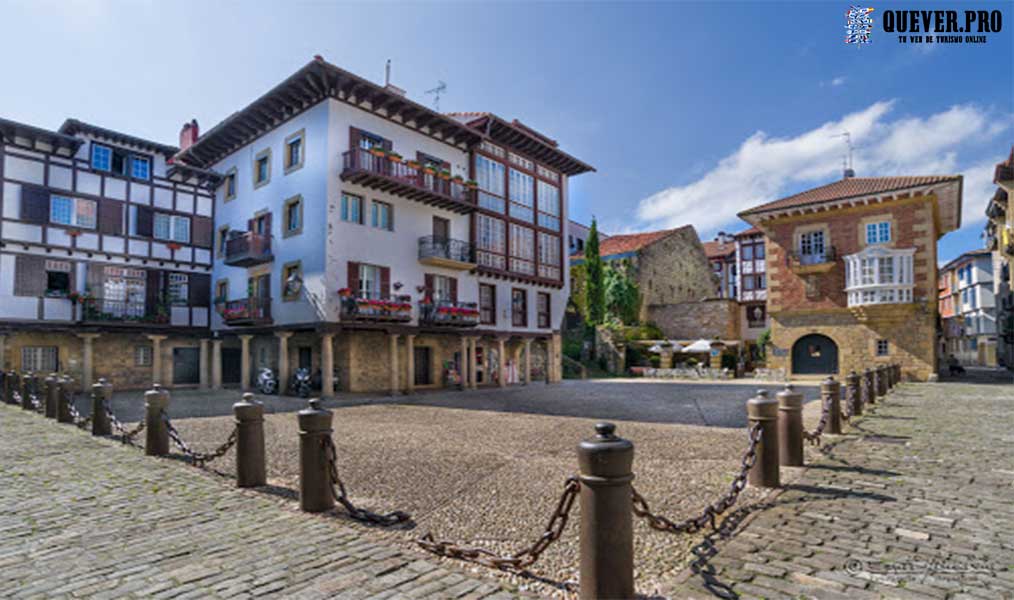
[(361, 167), (247, 249), (446, 252), (245, 311), (448, 314), (393, 309)]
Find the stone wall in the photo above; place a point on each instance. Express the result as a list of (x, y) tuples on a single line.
[(674, 270), (707, 319)]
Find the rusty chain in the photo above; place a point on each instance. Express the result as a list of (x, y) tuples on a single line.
[(825, 412), (713, 510), (338, 490), (846, 414), (82, 422), (522, 559), (198, 458), (127, 437)]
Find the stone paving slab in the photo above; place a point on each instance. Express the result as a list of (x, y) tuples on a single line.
[(915, 501), (89, 518)]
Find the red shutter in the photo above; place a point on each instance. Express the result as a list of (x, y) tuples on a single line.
[(145, 221), (428, 294), (454, 289), (110, 216), (203, 236), (34, 204), (385, 282), (354, 277)]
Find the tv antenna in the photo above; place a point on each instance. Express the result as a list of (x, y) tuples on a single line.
[(846, 159), (440, 89)]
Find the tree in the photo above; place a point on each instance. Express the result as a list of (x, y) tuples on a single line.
[(594, 288), (623, 299)]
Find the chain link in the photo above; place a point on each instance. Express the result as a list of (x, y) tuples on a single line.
[(37, 405), (522, 559), (846, 414), (198, 458), (127, 437), (825, 412), (338, 490), (82, 422), (710, 513)]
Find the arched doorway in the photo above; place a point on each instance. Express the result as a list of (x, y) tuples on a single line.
[(814, 354)]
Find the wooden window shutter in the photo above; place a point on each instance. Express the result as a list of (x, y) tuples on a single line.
[(110, 216), (454, 289), (267, 224), (385, 282), (200, 289), (34, 204), (354, 277), (428, 282), (251, 225), (153, 288), (203, 232), (145, 221), (29, 275)]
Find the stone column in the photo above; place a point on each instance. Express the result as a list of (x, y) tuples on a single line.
[(392, 370), (409, 363), (473, 364), (156, 358), (463, 363), (216, 364), (556, 358), (501, 355), (528, 360), (283, 360), (327, 364), (88, 359), (244, 367), (204, 364)]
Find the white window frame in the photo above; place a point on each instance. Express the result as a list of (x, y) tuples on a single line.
[(143, 356), (382, 215), (347, 203), (812, 247), (44, 359), (102, 157), (878, 232), (136, 160), (369, 281), (177, 228), (879, 275), (75, 215)]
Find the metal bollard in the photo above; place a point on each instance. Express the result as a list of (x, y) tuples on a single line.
[(9, 387), (764, 410), (881, 381), (315, 493), (829, 388), (102, 392), (52, 382), (156, 439), (65, 397), (27, 390), (15, 387), (870, 386), (790, 427), (853, 393), (250, 467), (607, 533), (897, 372)]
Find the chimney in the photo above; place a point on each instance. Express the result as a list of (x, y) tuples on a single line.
[(189, 134), (849, 173)]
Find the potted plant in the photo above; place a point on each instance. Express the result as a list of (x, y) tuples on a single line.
[(458, 179), (429, 170), (444, 174), (394, 157), (174, 246), (413, 164), (378, 151), (471, 184)]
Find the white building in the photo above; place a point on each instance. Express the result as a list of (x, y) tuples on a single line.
[(105, 258), (350, 238), (973, 339)]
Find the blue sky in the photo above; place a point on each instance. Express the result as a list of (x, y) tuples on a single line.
[(690, 111)]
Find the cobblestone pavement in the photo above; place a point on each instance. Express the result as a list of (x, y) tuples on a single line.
[(915, 501), (88, 518), (687, 403)]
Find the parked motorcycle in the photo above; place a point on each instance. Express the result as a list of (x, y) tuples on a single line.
[(267, 382), (302, 383)]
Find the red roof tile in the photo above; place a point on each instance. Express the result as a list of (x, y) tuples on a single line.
[(751, 231), (632, 242), (849, 188), (716, 249)]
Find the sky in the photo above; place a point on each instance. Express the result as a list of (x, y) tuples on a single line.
[(691, 112)]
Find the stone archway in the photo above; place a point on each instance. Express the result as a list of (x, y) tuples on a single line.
[(814, 354)]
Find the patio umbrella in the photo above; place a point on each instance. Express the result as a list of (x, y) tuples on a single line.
[(700, 346)]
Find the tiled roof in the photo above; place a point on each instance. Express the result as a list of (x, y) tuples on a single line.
[(716, 249), (849, 188), (74, 126), (1005, 170), (751, 231), (632, 242)]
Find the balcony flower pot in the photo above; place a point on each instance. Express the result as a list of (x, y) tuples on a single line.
[(471, 184), (394, 157), (445, 175), (378, 152), (429, 170), (174, 246), (413, 164), (458, 179)]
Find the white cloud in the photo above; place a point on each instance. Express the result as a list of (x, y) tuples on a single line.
[(837, 81), (765, 168), (977, 189)]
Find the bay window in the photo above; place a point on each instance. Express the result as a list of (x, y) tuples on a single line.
[(549, 206), (878, 275), (491, 177), (549, 256), (522, 250), (522, 195), (490, 241)]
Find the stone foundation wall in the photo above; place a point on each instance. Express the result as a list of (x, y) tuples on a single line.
[(707, 319)]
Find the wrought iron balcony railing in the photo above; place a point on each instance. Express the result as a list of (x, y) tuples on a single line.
[(376, 307), (446, 252), (245, 311), (446, 313)]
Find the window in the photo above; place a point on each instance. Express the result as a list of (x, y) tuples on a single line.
[(522, 245), (222, 290), (142, 356), (294, 151), (878, 233), (173, 228), (549, 256), (292, 281), (102, 157), (542, 310), (879, 275), (58, 278), (352, 209), (811, 247), (382, 215), (519, 308), (230, 184), (489, 174), (549, 206), (39, 358), (883, 348), (491, 242), (487, 304), (756, 315), (75, 212), (292, 217), (442, 288), (179, 289), (747, 251), (262, 168), (223, 238), (140, 167), (522, 195), (369, 281)]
